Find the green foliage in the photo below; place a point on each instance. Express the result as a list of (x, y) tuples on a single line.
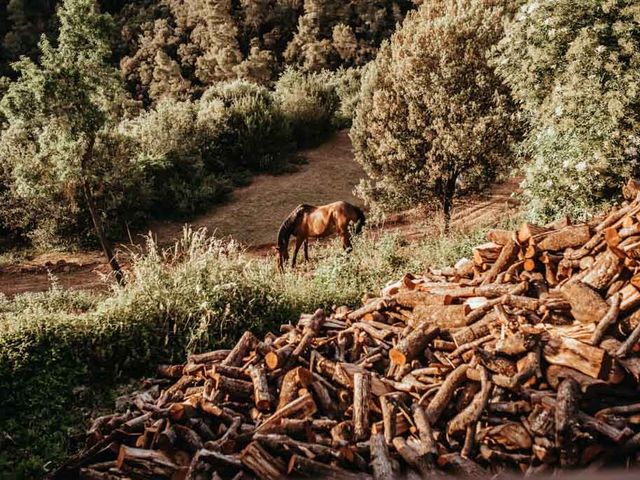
[(175, 48), (58, 144), (309, 102), (574, 67), (201, 294), (347, 83), (262, 137), (433, 114)]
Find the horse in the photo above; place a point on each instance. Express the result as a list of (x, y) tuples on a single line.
[(307, 221)]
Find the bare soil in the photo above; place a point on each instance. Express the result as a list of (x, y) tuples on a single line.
[(253, 214)]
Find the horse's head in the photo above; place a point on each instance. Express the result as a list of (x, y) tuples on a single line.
[(283, 257)]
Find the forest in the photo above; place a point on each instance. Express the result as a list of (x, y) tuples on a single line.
[(115, 114)]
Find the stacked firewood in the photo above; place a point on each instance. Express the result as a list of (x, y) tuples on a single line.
[(523, 357)]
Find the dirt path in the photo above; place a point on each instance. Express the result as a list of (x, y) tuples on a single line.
[(253, 214)]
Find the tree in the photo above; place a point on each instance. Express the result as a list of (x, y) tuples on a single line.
[(574, 66), (57, 111), (433, 113)]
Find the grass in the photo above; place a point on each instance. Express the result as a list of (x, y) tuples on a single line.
[(62, 353)]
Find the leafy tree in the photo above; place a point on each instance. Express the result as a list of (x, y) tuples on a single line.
[(574, 66), (433, 113), (59, 112)]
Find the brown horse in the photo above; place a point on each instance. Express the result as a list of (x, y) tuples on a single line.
[(307, 222)]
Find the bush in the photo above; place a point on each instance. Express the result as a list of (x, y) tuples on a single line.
[(573, 66), (181, 173), (262, 139), (346, 82), (433, 114), (309, 103), (200, 295)]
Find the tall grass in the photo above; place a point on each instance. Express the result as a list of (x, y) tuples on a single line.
[(201, 294)]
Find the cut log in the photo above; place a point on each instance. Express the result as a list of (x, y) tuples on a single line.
[(361, 399), (237, 354), (300, 407), (261, 393), (486, 253), (529, 230), (587, 306), (567, 352), (305, 466), (566, 414), (380, 459), (607, 320), (572, 236), (508, 254), (413, 344), (445, 393), (603, 271), (501, 237)]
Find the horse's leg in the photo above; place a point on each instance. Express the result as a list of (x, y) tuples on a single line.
[(346, 241), (299, 241), (306, 250)]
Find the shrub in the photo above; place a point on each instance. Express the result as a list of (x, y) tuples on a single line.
[(182, 172), (433, 114), (346, 82), (573, 66), (262, 139), (309, 103)]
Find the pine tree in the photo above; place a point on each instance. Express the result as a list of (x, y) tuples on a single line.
[(57, 109)]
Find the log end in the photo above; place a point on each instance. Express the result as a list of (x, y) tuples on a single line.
[(397, 357)]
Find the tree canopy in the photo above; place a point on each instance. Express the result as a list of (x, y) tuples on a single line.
[(574, 67), (433, 113)]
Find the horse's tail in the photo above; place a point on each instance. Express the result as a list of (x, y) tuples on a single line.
[(361, 220)]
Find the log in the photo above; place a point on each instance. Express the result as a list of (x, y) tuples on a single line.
[(300, 407), (471, 414), (150, 460), (209, 357), (237, 353), (486, 253), (604, 270), (508, 254), (412, 457), (567, 352), (571, 236), (380, 459), (413, 344), (361, 399), (529, 230), (261, 394), (499, 236), (445, 393), (587, 306), (301, 465), (565, 418), (429, 447), (607, 320), (449, 316)]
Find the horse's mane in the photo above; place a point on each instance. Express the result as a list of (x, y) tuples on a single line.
[(289, 224)]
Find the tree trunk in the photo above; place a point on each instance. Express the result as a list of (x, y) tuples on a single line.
[(448, 191), (97, 223)]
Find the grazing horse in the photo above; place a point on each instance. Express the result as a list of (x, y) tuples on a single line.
[(307, 221)]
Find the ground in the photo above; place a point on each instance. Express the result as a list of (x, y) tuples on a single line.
[(253, 214)]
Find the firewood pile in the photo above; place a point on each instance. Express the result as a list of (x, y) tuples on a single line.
[(524, 357)]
